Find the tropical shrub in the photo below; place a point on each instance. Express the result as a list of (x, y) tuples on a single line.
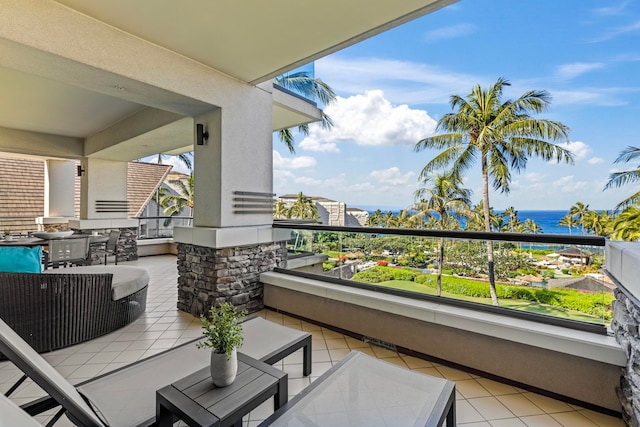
[(373, 275)]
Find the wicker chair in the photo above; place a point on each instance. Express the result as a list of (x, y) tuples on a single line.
[(52, 311)]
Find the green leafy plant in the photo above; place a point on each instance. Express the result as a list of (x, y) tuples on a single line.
[(222, 329)]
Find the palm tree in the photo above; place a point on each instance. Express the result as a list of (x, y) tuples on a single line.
[(598, 223), (375, 218), (578, 211), (529, 226), (280, 210), (389, 220), (568, 221), (618, 179), (176, 203), (312, 88), (403, 219), (512, 215), (626, 226), (303, 208), (446, 198), (501, 135)]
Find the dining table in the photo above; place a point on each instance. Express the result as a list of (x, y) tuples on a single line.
[(37, 241)]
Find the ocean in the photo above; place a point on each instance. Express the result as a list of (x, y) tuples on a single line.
[(547, 220)]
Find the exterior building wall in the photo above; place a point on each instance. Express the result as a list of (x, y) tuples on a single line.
[(209, 276), (626, 318), (624, 267)]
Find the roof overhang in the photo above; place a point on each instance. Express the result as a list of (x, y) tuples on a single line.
[(51, 95)]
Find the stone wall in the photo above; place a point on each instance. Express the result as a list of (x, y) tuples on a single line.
[(209, 276), (127, 244), (626, 318)]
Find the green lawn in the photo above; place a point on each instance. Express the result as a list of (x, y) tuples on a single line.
[(530, 306)]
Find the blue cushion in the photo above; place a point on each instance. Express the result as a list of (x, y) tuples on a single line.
[(21, 259)]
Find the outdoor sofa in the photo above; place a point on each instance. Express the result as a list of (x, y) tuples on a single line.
[(67, 306)]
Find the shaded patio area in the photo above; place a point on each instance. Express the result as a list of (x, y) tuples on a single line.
[(480, 401)]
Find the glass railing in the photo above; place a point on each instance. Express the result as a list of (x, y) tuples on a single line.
[(554, 279), (286, 83), (155, 227)]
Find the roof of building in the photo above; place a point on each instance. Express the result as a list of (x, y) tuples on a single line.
[(21, 204), (143, 179)]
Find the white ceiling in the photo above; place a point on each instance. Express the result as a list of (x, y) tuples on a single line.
[(250, 40)]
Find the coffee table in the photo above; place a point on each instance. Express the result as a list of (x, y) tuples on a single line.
[(196, 401), (361, 390)]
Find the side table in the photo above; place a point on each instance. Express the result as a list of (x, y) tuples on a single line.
[(195, 400)]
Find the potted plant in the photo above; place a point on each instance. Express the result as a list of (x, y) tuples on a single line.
[(223, 335), (7, 235)]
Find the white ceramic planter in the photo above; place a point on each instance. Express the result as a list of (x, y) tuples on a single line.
[(223, 371)]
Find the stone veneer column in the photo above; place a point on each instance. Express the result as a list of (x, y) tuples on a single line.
[(210, 276), (626, 318)]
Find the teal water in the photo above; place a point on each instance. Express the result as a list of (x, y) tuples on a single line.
[(547, 220)]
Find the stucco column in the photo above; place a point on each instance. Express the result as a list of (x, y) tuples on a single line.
[(59, 188), (59, 194), (233, 174), (220, 258), (103, 191)]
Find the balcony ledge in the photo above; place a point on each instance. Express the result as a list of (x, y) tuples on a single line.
[(564, 340)]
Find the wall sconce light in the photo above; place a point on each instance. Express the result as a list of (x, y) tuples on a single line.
[(201, 134), (80, 170)]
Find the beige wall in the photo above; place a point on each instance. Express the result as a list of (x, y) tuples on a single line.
[(566, 375)]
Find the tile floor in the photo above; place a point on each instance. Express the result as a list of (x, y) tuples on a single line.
[(480, 402)]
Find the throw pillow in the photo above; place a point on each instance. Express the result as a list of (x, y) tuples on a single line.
[(21, 259)]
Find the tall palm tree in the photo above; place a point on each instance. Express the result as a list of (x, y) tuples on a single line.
[(578, 211), (375, 218), (445, 197), (174, 204), (403, 219), (512, 218), (312, 88), (618, 179), (530, 226), (280, 210), (501, 135), (598, 223), (568, 221), (303, 208), (626, 226)]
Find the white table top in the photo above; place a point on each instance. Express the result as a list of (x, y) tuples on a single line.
[(367, 391)]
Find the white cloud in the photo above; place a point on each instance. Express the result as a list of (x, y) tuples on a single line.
[(595, 160), (299, 162), (451, 32), (312, 144), (632, 28), (370, 120), (392, 176), (566, 184), (404, 82), (605, 97), (611, 10), (533, 177), (570, 71), (308, 181), (579, 149)]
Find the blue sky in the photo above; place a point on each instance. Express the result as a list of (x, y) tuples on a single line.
[(394, 87)]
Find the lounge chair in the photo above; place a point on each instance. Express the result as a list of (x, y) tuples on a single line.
[(126, 397), (13, 415)]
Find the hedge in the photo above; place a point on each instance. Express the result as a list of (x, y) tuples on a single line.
[(596, 304)]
